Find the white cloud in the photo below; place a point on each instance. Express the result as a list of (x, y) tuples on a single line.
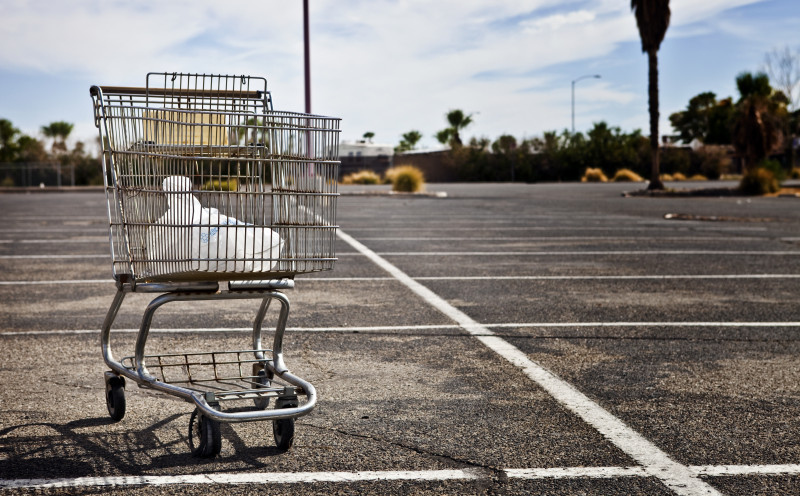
[(558, 21), (383, 65)]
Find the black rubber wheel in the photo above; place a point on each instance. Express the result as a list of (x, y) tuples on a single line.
[(283, 430), (205, 440), (115, 400)]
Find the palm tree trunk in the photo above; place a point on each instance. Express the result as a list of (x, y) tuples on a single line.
[(652, 87)]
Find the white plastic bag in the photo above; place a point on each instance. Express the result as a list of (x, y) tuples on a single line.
[(206, 239)]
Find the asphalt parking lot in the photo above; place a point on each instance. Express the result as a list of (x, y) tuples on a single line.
[(505, 339)]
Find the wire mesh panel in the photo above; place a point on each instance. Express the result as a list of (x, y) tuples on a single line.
[(206, 182)]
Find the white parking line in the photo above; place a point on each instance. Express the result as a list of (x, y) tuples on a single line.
[(90, 239), (368, 329), (581, 253), (615, 228), (393, 475), (55, 257), (536, 238), (497, 253), (654, 461), (464, 278)]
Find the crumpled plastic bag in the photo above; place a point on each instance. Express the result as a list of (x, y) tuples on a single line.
[(206, 239)]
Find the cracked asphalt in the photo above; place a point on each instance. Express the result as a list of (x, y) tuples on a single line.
[(564, 272)]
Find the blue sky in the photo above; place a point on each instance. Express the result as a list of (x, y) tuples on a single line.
[(390, 66)]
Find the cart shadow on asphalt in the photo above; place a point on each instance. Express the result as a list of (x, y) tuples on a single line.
[(73, 449), (74, 452)]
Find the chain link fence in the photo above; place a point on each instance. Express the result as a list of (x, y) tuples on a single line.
[(31, 174)]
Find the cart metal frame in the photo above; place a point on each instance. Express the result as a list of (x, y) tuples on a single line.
[(207, 128)]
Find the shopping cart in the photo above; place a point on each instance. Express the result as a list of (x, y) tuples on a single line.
[(213, 195)]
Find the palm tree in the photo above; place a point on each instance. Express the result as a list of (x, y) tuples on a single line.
[(458, 121), (760, 119), (59, 131), (409, 141), (8, 147), (652, 18)]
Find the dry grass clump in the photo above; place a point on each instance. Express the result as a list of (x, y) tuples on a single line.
[(626, 175), (698, 177), (678, 176), (594, 175), (362, 177), (759, 181), (406, 178), (667, 177)]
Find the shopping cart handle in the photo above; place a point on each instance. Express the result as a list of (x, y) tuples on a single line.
[(181, 92)]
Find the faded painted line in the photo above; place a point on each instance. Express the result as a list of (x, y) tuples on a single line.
[(58, 281), (466, 278), (581, 253), (100, 239), (666, 226), (734, 470), (59, 257), (535, 238), (242, 478), (368, 329), (378, 476), (39, 229), (647, 324), (654, 461), (200, 330), (611, 278), (498, 253)]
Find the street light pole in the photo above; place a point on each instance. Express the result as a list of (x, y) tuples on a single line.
[(307, 57), (596, 76)]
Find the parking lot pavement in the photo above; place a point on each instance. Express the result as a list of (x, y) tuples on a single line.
[(552, 339)]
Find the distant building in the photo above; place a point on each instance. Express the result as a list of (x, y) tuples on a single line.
[(362, 154)]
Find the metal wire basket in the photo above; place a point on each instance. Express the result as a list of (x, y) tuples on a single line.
[(205, 181)]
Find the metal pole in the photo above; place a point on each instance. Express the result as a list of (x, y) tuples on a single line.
[(307, 57), (573, 107), (596, 76)]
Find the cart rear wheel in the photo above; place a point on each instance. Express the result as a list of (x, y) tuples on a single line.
[(205, 440), (115, 400), (263, 380)]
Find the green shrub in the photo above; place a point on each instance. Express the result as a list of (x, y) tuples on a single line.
[(775, 167), (594, 175), (626, 175), (759, 181), (216, 185), (362, 177), (406, 178)]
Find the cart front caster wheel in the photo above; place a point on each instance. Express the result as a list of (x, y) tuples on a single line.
[(283, 431), (115, 399), (205, 440)]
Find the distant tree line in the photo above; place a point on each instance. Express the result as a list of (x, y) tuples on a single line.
[(31, 152), (758, 130)]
